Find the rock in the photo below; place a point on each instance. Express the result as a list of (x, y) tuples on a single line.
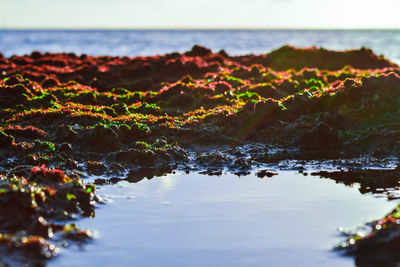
[(263, 173), (104, 139), (182, 100), (198, 51), (95, 167), (66, 133), (49, 82), (6, 140), (66, 148), (136, 156), (320, 137)]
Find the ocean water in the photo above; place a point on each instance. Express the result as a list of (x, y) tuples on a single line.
[(235, 42)]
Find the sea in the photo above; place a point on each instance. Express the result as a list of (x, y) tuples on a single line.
[(235, 42)]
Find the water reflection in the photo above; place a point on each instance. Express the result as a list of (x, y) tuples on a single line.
[(200, 220), (376, 181), (380, 182)]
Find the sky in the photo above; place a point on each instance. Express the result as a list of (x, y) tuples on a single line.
[(209, 14)]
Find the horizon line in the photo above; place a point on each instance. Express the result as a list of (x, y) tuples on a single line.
[(197, 29)]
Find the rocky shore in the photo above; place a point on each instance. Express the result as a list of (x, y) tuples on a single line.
[(64, 116)]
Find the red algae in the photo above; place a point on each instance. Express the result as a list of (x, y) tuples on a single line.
[(47, 175)]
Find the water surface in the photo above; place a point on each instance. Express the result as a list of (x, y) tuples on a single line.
[(198, 220), (152, 42)]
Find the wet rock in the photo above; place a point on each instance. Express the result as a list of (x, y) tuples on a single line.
[(120, 109), (135, 178), (100, 181), (212, 172), (41, 227), (5, 139), (36, 54), (213, 159), (269, 90), (38, 246), (95, 167), (71, 164), (104, 139), (14, 95), (34, 76), (198, 51), (73, 233), (66, 148), (321, 137), (288, 57), (380, 245), (222, 87), (13, 80), (241, 164), (27, 203), (182, 100), (136, 156), (65, 133), (47, 83), (265, 173), (86, 98)]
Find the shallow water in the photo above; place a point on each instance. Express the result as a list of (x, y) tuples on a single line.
[(151, 42), (198, 220)]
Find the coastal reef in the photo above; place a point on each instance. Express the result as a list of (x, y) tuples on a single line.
[(63, 116)]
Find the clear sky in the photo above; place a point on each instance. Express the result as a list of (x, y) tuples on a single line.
[(199, 14)]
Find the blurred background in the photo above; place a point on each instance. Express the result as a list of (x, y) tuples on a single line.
[(138, 28)]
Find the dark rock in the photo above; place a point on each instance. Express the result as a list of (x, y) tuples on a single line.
[(104, 139), (66, 133), (66, 148), (49, 82), (182, 100), (116, 168), (36, 54), (136, 156), (6, 140), (71, 164), (95, 167), (14, 80), (263, 173), (100, 181), (198, 51), (320, 137)]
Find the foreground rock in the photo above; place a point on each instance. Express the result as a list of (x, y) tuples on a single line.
[(380, 246), (34, 209)]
